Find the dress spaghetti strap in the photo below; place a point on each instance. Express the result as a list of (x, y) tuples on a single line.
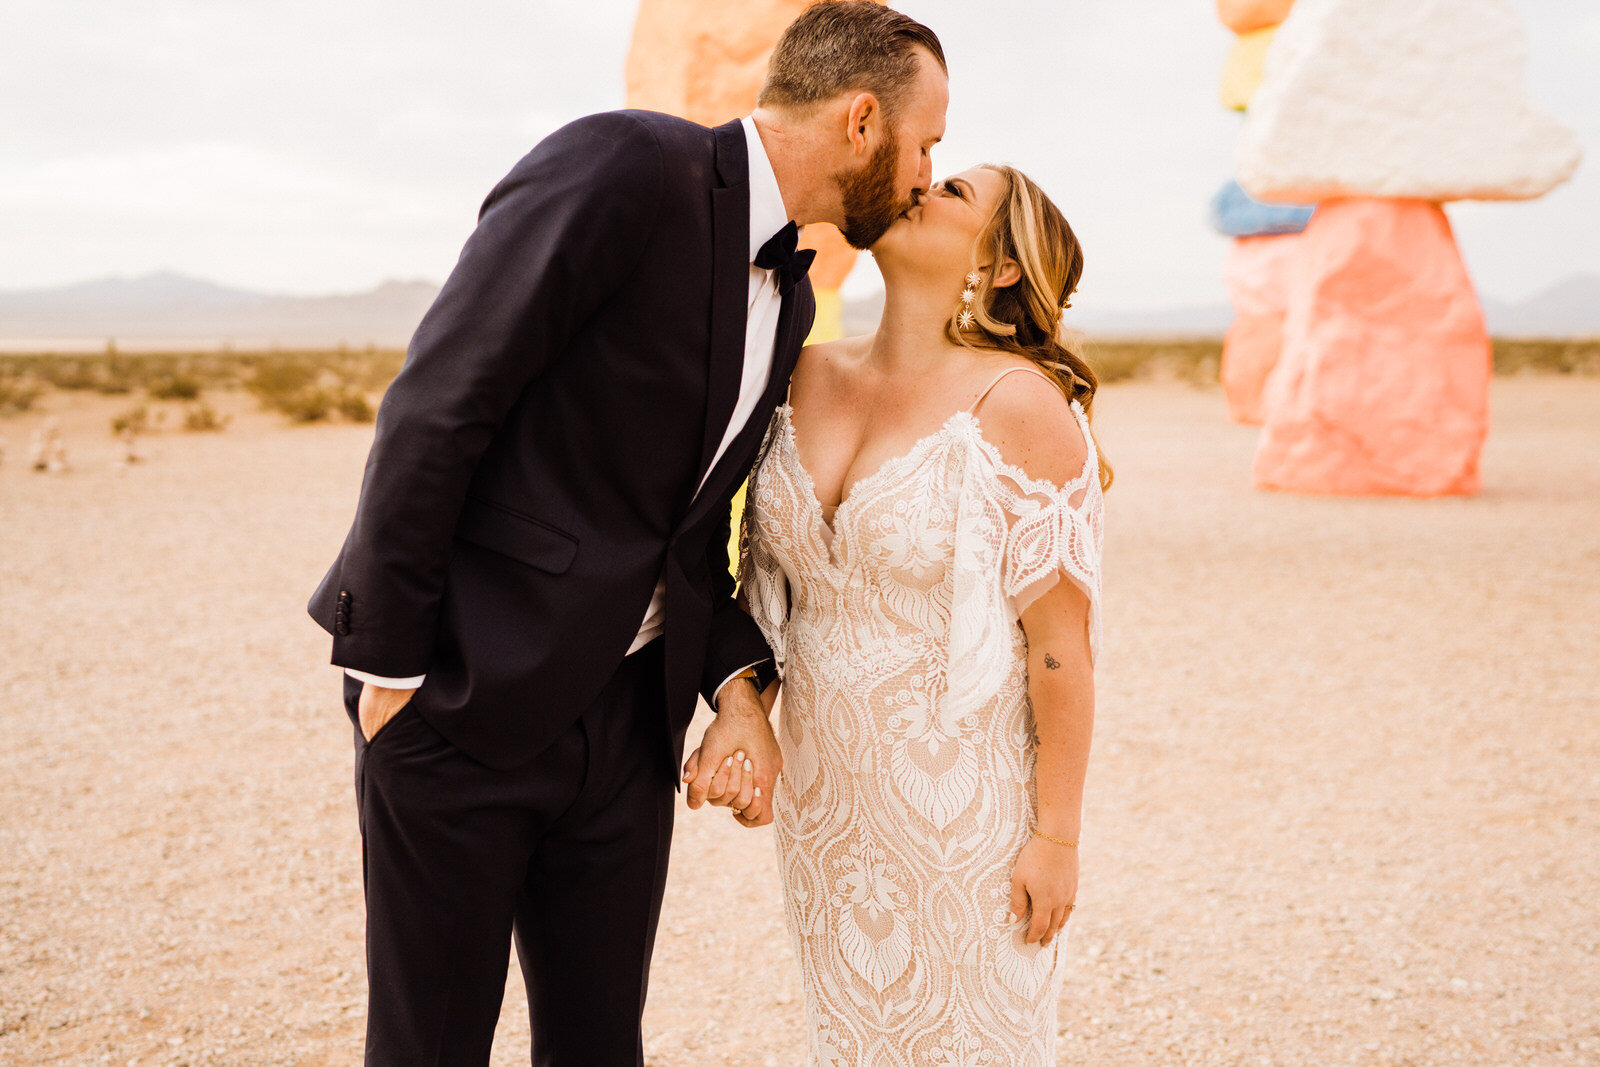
[(1009, 370)]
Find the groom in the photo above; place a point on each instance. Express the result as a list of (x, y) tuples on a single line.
[(536, 586)]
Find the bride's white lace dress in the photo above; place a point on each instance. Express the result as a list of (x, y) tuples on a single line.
[(907, 789)]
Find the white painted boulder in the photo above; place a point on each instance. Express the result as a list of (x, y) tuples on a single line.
[(1404, 99)]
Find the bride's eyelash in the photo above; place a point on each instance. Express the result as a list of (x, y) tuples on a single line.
[(954, 190)]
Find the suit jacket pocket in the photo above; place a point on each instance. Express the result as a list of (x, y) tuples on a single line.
[(521, 537)]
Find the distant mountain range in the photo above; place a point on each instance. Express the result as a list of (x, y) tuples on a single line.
[(168, 309), (172, 309), (1570, 308)]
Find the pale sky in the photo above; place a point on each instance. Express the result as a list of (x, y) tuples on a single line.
[(309, 147)]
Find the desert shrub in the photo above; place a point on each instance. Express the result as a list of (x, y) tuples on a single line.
[(290, 385), (134, 420), (281, 376), (118, 374), (305, 405), (372, 371), (1197, 360), (311, 386), (1194, 360), (354, 406), (17, 396), (203, 418), (175, 387), (69, 373), (1546, 356)]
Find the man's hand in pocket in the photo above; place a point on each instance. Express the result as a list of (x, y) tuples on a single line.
[(378, 705)]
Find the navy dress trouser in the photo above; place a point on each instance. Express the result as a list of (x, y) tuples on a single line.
[(566, 855)]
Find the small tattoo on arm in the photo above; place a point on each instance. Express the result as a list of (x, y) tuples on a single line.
[(1050, 662)]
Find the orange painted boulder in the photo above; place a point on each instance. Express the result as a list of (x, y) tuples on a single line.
[(1256, 274), (705, 60), (1383, 383), (1247, 16)]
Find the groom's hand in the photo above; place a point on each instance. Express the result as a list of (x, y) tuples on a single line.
[(738, 762), (378, 705)]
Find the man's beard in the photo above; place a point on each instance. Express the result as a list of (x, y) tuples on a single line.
[(870, 207)]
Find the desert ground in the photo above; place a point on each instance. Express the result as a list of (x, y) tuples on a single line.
[(1344, 805)]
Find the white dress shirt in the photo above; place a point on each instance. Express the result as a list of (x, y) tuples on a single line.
[(767, 217)]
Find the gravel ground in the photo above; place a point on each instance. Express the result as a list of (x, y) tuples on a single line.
[(1344, 806)]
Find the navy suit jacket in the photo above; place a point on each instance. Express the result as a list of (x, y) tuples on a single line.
[(535, 462)]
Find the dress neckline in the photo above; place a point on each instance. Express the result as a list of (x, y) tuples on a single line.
[(908, 458), (1026, 483)]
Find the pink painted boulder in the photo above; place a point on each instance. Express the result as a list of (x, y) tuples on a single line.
[(1256, 273), (1383, 383)]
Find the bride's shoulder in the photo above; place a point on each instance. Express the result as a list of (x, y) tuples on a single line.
[(833, 355), (828, 366), (1030, 422)]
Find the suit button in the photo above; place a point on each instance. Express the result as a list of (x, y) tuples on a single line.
[(341, 627)]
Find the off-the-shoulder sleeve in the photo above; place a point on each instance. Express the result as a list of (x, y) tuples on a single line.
[(1055, 531)]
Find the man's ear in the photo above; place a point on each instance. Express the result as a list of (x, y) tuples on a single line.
[(1008, 274), (862, 123)]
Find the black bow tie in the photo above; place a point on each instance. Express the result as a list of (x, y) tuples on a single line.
[(783, 254)]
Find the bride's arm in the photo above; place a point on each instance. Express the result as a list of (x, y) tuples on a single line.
[(1061, 691), (769, 696), (1049, 574)]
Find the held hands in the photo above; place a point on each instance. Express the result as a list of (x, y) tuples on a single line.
[(1044, 888), (378, 705), (738, 762)]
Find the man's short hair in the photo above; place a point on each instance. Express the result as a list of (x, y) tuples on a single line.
[(840, 46)]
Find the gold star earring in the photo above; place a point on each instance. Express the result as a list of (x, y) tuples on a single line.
[(968, 295)]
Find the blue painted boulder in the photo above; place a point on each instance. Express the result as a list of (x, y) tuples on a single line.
[(1235, 213)]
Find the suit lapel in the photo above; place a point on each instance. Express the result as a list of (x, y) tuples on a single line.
[(794, 322), (730, 285)]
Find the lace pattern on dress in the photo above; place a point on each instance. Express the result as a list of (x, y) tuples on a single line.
[(761, 575), (907, 790)]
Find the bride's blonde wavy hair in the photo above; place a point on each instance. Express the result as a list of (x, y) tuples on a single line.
[(1025, 318)]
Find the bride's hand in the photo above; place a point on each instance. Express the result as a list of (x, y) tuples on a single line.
[(1044, 883), (738, 761)]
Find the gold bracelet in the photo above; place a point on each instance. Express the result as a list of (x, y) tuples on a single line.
[(1057, 840)]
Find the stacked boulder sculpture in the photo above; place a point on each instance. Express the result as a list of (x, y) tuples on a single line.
[(1263, 234), (705, 60), (1379, 112)]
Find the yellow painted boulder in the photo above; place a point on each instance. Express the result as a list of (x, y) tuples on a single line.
[(1383, 383), (1241, 74), (1247, 16), (1256, 273), (705, 60)]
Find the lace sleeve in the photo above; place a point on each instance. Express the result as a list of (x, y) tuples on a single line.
[(763, 584), (1054, 531)]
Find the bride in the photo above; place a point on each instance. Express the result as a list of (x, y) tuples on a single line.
[(917, 503)]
